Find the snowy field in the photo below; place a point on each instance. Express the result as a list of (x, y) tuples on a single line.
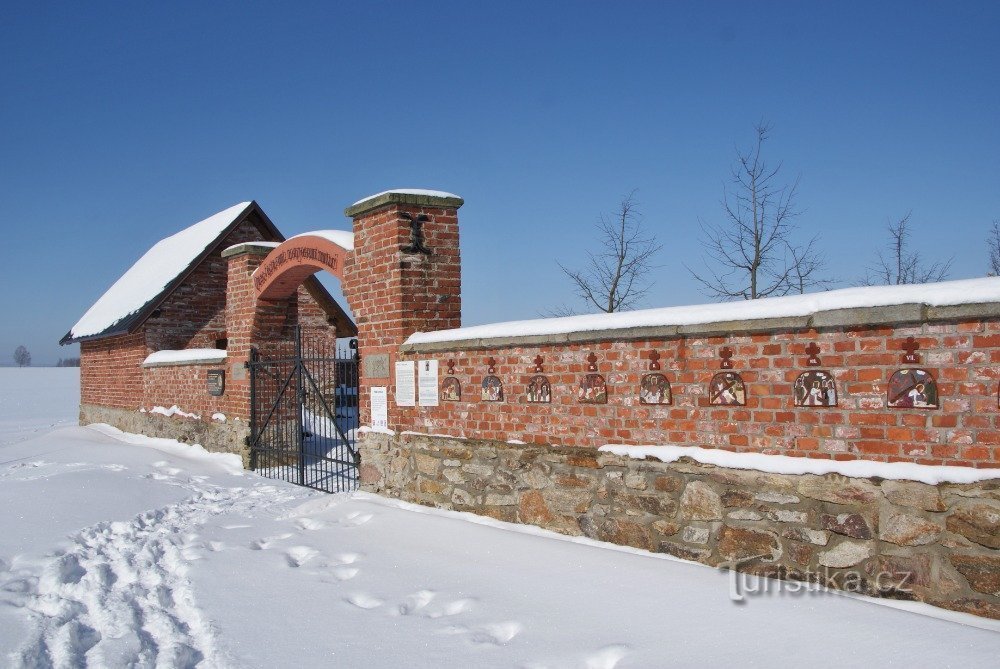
[(125, 551)]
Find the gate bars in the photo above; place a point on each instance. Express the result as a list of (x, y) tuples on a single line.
[(304, 412)]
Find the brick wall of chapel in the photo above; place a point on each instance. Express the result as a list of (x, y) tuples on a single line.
[(194, 316)]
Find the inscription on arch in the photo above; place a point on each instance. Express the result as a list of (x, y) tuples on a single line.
[(288, 265)]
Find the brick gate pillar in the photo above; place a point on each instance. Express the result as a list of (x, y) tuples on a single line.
[(241, 312), (403, 276)]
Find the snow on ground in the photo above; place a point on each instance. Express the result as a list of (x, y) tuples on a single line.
[(944, 293), (35, 399), (119, 550)]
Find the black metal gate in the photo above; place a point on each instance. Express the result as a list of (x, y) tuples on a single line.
[(304, 411)]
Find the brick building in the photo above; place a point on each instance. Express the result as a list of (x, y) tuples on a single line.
[(149, 342)]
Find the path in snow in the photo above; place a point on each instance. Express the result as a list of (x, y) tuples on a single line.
[(119, 595)]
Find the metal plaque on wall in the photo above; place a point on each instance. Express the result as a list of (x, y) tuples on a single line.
[(376, 366), (216, 382)]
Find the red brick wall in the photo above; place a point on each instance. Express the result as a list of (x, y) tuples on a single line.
[(964, 358), (185, 386), (111, 372)]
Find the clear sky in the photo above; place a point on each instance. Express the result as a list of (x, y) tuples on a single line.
[(121, 123)]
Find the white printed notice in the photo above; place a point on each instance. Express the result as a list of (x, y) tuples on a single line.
[(406, 382), (427, 382), (380, 408)]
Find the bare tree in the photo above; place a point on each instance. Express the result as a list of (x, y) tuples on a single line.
[(22, 358), (752, 254), (900, 265), (993, 241), (616, 276)]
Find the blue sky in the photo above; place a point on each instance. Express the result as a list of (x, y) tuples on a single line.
[(121, 123)]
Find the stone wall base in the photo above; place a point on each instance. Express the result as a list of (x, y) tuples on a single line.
[(900, 539), (228, 437)]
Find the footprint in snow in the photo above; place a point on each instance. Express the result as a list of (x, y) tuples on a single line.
[(453, 608), (347, 558), (364, 601), (606, 658), (17, 585), (215, 546), (299, 555), (344, 573), (357, 518), (266, 542), (414, 602), (309, 524), (496, 634)]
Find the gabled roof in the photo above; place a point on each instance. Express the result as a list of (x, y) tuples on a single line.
[(126, 305)]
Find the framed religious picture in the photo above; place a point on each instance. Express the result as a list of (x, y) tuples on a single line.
[(913, 389), (539, 390), (451, 389), (815, 388), (727, 389), (492, 389), (654, 389)]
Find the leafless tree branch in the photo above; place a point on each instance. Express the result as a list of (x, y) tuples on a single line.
[(993, 241), (615, 276), (898, 265), (751, 254)]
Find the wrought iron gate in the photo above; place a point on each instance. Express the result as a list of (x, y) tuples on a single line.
[(304, 412)]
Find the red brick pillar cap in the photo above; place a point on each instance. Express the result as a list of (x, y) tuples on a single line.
[(413, 196)]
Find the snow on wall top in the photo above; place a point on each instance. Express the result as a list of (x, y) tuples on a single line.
[(342, 238), (945, 293), (187, 355), (408, 191), (153, 272), (784, 464)]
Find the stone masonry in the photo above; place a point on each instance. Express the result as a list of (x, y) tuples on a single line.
[(901, 539)]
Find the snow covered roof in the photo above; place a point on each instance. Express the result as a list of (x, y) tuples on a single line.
[(130, 300), (945, 293)]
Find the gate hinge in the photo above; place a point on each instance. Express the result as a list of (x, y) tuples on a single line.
[(246, 440)]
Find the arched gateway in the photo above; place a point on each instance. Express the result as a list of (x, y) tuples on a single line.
[(304, 386), (220, 334), (398, 269)]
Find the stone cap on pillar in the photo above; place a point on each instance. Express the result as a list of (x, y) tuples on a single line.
[(415, 196), (252, 248)]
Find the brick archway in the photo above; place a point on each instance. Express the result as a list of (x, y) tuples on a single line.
[(289, 264)]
